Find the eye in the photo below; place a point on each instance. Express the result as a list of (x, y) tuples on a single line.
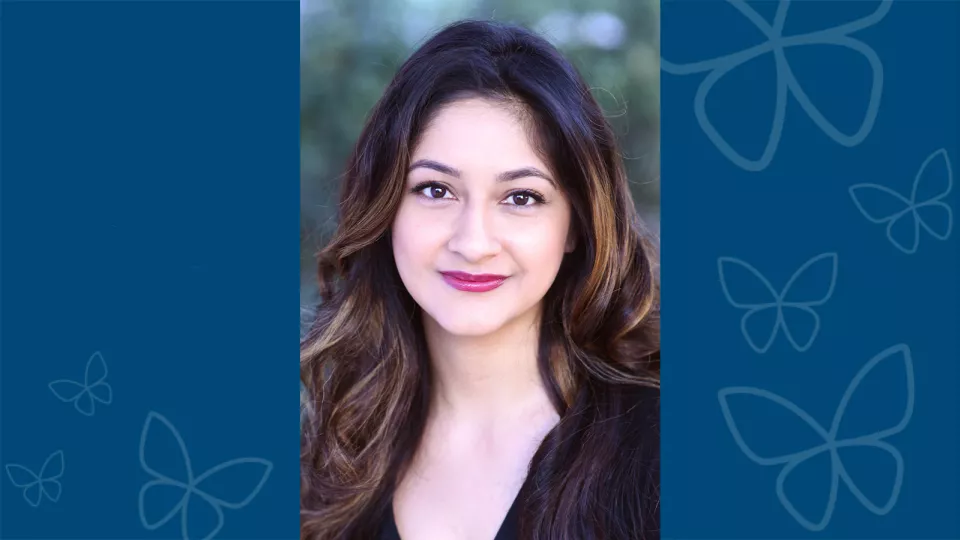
[(431, 190), (525, 198)]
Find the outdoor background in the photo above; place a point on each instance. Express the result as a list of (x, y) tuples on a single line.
[(350, 50)]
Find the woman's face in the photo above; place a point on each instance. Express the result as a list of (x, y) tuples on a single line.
[(475, 202)]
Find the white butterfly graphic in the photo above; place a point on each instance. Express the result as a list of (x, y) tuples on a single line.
[(94, 387), (905, 216), (203, 489), (833, 443), (36, 486), (780, 307), (786, 82)]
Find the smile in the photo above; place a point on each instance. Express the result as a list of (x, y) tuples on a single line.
[(473, 282)]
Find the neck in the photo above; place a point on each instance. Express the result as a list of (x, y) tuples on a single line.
[(487, 380)]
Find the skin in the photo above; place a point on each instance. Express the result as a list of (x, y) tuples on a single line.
[(489, 409)]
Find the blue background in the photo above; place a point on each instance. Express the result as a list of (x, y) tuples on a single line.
[(778, 218), (150, 172)]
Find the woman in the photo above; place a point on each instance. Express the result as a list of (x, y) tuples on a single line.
[(484, 363)]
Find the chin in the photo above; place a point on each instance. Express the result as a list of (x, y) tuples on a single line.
[(461, 324)]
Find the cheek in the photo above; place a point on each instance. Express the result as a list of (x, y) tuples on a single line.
[(540, 243), (415, 241), (402, 239)]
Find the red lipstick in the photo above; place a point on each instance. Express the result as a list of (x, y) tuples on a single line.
[(463, 281)]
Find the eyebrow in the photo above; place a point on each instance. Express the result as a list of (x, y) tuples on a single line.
[(506, 176)]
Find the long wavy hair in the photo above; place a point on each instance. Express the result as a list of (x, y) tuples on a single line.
[(364, 362)]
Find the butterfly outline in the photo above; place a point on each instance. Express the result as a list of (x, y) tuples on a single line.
[(911, 204), (48, 486), (192, 483), (779, 302), (831, 444), (84, 396), (786, 81)]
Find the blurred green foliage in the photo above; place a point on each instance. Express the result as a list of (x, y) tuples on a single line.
[(350, 49)]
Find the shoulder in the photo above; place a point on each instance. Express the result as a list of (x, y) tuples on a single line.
[(598, 473), (635, 471)]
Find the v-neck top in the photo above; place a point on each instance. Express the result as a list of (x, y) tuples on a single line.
[(507, 531), (640, 442)]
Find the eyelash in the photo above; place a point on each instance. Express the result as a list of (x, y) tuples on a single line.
[(528, 192)]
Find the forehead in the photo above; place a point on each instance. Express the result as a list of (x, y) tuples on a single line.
[(477, 134)]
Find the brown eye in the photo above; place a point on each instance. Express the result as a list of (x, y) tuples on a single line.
[(436, 192), (521, 199), (525, 199), (432, 191)]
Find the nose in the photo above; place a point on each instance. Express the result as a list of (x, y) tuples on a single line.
[(474, 235)]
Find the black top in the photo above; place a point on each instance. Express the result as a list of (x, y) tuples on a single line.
[(508, 529), (638, 454)]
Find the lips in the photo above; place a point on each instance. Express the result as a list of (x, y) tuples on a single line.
[(463, 281)]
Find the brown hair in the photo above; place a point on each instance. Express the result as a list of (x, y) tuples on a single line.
[(364, 363)]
